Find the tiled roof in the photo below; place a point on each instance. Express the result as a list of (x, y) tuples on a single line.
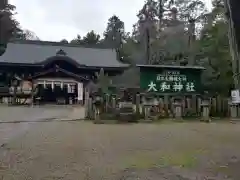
[(31, 52)]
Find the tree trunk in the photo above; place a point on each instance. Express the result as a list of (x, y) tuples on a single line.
[(147, 45), (233, 47), (191, 59)]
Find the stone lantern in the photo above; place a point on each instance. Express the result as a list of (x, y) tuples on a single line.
[(205, 108), (177, 104)]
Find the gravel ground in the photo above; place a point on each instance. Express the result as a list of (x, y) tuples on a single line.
[(83, 150), (10, 114)]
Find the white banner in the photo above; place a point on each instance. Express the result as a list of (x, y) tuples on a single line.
[(80, 91)]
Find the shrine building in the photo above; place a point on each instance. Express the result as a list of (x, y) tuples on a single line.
[(51, 72)]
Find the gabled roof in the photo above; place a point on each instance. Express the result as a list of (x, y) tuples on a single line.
[(31, 52)]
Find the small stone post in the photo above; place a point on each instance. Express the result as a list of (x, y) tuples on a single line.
[(194, 103), (107, 102), (86, 103), (233, 111), (146, 112), (96, 114), (98, 104), (146, 106), (205, 110), (166, 102), (114, 103), (177, 110), (90, 108), (86, 107), (138, 104), (143, 105)]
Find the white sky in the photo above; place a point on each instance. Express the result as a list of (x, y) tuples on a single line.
[(54, 20)]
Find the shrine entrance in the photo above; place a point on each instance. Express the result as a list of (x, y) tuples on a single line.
[(59, 81), (59, 91)]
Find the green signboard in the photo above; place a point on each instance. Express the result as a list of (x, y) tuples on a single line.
[(170, 79)]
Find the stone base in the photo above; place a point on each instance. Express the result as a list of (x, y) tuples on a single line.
[(206, 120), (235, 119)]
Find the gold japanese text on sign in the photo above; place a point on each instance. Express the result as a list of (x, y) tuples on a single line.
[(171, 76)]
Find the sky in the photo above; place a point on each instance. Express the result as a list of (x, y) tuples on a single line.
[(54, 20)]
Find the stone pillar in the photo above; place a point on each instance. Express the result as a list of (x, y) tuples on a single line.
[(138, 104), (143, 105), (107, 102), (80, 93), (86, 104), (177, 109), (233, 111), (194, 103), (90, 108), (205, 110), (97, 108), (146, 112), (166, 102), (114, 103), (96, 114)]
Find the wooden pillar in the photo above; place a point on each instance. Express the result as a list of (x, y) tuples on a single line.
[(32, 92), (14, 102), (52, 85), (44, 84)]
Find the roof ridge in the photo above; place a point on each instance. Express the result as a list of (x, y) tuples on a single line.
[(62, 44)]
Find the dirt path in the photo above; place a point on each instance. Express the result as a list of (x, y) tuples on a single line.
[(82, 150)]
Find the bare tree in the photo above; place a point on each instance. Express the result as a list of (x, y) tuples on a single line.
[(29, 35)]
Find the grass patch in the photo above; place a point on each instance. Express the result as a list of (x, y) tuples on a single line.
[(182, 159)]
